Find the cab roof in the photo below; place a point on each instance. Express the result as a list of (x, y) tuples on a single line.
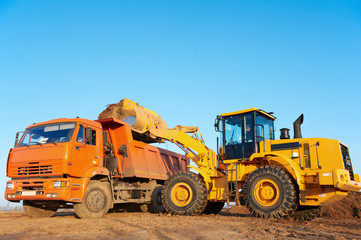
[(61, 120), (249, 110)]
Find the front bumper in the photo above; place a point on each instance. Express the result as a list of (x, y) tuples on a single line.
[(342, 180), (70, 189)]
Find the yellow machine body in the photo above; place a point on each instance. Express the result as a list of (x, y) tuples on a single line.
[(316, 165)]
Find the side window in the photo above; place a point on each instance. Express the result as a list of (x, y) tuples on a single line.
[(248, 125), (80, 137), (92, 141)]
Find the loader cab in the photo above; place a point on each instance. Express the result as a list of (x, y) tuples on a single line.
[(242, 131)]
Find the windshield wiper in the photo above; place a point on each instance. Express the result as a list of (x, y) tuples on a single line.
[(52, 141), (39, 143)]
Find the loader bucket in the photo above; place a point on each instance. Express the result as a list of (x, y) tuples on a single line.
[(140, 119)]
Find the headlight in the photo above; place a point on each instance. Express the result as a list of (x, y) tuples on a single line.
[(57, 184), (11, 195), (10, 185)]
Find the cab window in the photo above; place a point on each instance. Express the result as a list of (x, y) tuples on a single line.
[(264, 128), (92, 141), (80, 137)]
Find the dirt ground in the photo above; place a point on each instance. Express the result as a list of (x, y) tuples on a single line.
[(236, 223)]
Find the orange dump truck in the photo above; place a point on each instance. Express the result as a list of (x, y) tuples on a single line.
[(92, 166)]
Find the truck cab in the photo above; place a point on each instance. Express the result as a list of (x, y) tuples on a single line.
[(53, 157)]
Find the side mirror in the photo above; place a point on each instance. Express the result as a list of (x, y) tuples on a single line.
[(217, 124), (88, 135), (17, 139)]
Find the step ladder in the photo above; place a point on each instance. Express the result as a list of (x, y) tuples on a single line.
[(232, 193)]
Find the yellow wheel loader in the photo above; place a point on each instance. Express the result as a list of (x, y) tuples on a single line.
[(273, 178)]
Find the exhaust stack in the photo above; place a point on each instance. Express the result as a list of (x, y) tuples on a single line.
[(297, 127)]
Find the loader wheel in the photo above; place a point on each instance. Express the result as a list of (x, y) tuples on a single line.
[(213, 207), (304, 213), (96, 201), (185, 193), (270, 193), (156, 205), (37, 210)]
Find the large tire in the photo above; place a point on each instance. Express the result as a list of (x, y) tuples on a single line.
[(213, 207), (185, 193), (156, 205), (38, 210), (96, 202), (305, 213), (269, 192)]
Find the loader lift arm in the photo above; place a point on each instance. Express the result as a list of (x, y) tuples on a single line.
[(194, 146)]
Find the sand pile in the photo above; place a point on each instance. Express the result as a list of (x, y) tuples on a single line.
[(349, 207), (243, 210), (140, 119)]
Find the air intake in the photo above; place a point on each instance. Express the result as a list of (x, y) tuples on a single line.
[(297, 127)]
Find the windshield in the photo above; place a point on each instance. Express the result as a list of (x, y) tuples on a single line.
[(52, 133), (233, 129)]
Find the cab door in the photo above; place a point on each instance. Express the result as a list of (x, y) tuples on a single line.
[(84, 153), (239, 137)]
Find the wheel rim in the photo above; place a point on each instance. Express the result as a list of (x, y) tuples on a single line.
[(266, 192), (181, 194), (95, 200)]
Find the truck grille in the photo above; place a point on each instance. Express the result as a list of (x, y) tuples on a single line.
[(31, 185), (347, 161), (35, 169)]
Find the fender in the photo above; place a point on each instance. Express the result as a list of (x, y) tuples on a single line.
[(84, 181), (91, 172), (205, 176), (282, 159)]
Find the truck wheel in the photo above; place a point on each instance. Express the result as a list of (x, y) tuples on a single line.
[(304, 213), (96, 201), (270, 193), (213, 207), (38, 210), (156, 205), (185, 193)]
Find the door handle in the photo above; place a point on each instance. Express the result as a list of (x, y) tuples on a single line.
[(96, 157)]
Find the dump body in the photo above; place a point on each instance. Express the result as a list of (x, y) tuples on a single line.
[(142, 160), (60, 169)]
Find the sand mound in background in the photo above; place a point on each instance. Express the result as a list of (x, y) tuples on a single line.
[(349, 207)]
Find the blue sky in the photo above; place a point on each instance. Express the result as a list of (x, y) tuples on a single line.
[(186, 60)]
